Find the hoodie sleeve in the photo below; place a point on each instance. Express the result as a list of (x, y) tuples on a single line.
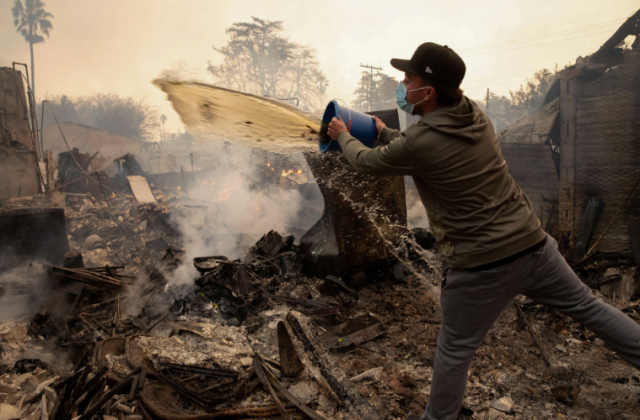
[(396, 158), (387, 134)]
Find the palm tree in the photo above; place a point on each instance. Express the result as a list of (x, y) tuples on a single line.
[(32, 22)]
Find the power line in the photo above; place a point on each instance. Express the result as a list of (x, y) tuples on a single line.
[(351, 73), (350, 69), (349, 76), (538, 37), (491, 84), (498, 77), (536, 45), (344, 69), (497, 84)]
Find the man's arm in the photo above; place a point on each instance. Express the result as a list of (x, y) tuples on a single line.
[(392, 159), (387, 134)]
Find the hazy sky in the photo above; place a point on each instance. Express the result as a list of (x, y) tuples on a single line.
[(122, 45)]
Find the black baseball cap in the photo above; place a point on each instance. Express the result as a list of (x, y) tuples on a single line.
[(437, 63)]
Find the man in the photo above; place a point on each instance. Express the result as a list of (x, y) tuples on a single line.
[(485, 226)]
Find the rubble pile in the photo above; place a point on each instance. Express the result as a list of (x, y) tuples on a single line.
[(122, 232), (255, 337), (125, 233)]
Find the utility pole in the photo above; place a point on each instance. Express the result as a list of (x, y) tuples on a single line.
[(163, 118), (487, 99), (371, 83)]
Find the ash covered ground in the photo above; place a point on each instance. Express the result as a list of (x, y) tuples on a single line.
[(201, 343)]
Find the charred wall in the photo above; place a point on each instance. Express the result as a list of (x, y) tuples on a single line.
[(528, 147), (17, 171), (532, 167), (607, 152), (18, 161), (13, 108)]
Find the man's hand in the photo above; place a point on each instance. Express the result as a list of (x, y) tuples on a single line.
[(336, 126), (379, 125)]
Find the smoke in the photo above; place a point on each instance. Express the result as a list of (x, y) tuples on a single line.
[(24, 289), (212, 113), (416, 213), (244, 196)]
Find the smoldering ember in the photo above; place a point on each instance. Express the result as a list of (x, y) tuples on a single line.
[(235, 271)]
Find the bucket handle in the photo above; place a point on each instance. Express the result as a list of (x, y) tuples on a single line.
[(349, 111)]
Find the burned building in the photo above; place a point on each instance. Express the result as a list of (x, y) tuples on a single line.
[(528, 150), (584, 144)]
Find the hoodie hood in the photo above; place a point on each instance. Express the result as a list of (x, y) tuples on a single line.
[(463, 120)]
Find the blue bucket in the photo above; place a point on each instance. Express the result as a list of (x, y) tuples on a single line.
[(361, 126)]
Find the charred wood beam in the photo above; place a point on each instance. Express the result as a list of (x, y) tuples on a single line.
[(258, 368), (269, 381), (65, 393), (604, 281), (56, 406), (151, 408), (190, 395), (218, 373), (315, 356), (87, 277), (630, 27), (532, 332), (86, 398), (134, 388), (602, 255), (120, 386)]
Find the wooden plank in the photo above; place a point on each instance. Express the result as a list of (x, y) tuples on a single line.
[(322, 366), (140, 188), (51, 170)]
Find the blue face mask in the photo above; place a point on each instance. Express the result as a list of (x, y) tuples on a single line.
[(401, 98)]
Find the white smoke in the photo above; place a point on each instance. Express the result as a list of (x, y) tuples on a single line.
[(235, 203), (416, 213), (23, 289)]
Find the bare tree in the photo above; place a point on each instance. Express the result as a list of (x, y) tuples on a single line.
[(259, 59), (305, 79), (32, 21)]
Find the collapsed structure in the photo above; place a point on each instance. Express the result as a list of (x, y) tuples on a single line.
[(583, 144)]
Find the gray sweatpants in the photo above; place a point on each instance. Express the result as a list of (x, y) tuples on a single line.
[(472, 301)]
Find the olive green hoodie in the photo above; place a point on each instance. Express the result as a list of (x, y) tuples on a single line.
[(476, 211)]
